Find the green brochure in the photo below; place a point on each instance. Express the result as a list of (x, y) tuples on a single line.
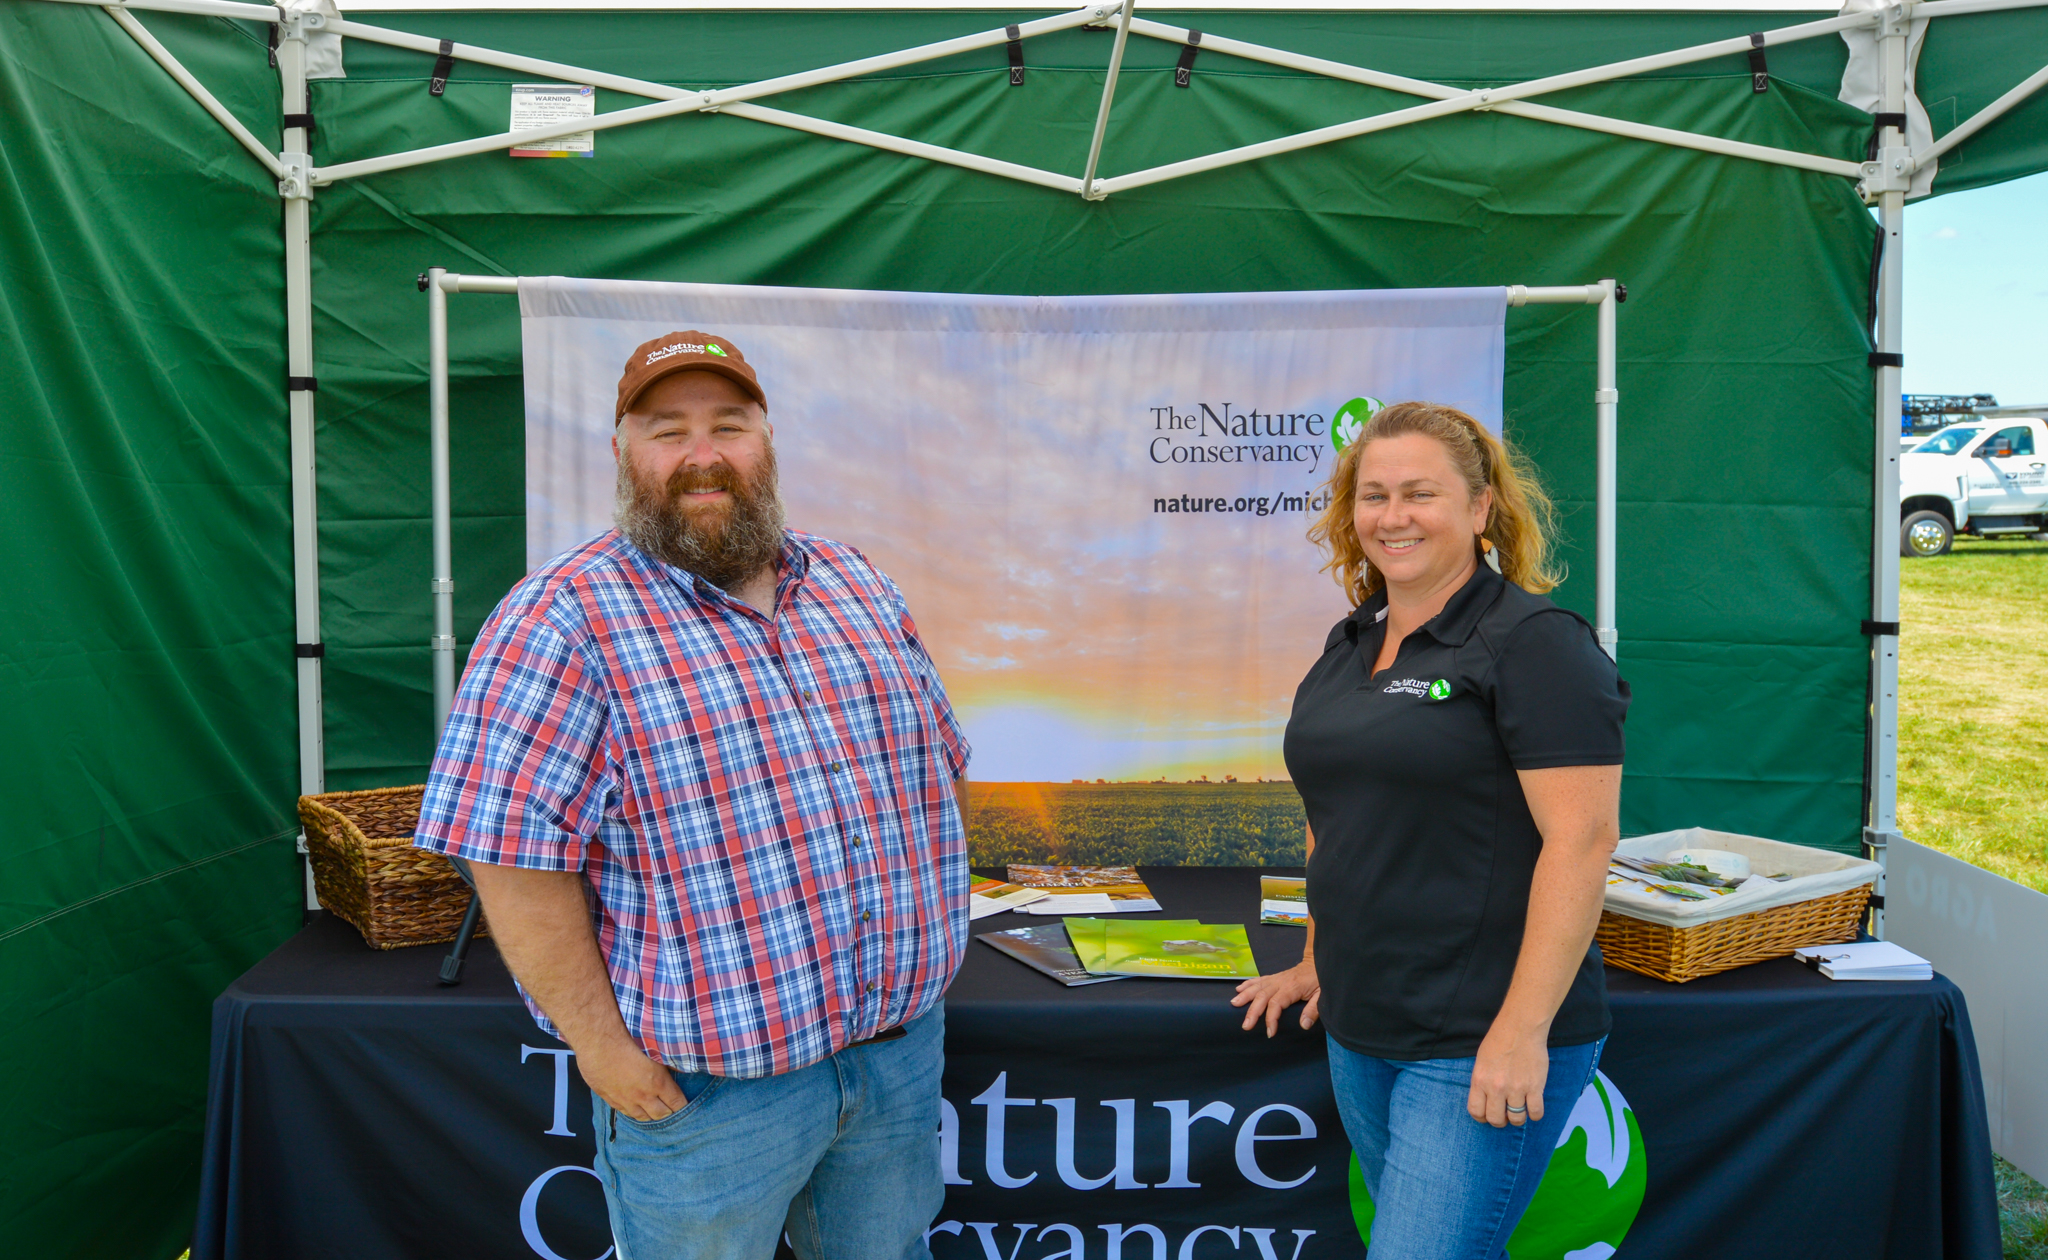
[(1184, 950), (1087, 935)]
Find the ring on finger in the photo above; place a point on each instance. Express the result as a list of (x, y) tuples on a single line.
[(1518, 1111)]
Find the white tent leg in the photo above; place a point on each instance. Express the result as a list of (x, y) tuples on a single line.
[(1605, 399), (298, 313), (1883, 772), (1116, 62), (443, 584)]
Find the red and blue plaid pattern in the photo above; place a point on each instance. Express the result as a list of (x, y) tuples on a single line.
[(763, 806)]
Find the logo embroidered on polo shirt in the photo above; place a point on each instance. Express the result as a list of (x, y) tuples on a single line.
[(1406, 687), (1440, 690)]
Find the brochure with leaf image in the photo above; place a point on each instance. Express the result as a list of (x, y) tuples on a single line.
[(1126, 891), (1044, 947), (1283, 899)]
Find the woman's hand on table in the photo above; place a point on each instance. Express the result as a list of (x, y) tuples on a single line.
[(1267, 996), (1510, 1070)]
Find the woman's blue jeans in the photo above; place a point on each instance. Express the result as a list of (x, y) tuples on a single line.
[(1445, 1186)]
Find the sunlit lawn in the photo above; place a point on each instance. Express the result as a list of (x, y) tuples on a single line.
[(1973, 706)]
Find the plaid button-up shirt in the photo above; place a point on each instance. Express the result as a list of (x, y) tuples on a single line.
[(763, 806)]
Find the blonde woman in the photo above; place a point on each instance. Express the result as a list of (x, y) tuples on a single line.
[(1458, 747)]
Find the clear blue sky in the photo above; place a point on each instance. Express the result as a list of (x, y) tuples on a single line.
[(1977, 293)]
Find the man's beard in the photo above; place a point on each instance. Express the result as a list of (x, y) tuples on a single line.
[(725, 545)]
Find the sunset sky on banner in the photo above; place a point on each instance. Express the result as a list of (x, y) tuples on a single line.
[(1095, 506)]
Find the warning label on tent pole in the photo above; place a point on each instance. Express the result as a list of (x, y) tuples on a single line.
[(546, 104)]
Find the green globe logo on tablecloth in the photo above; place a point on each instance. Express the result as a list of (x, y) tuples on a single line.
[(1351, 419), (1589, 1195)]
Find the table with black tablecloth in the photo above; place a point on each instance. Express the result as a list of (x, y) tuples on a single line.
[(359, 1110)]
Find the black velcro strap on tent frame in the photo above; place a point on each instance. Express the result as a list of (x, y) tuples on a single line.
[(1874, 628), (294, 384), (1016, 55), (290, 121), (1184, 73), (1879, 358), (303, 650), (273, 45), (443, 66), (1759, 73), (1878, 122)]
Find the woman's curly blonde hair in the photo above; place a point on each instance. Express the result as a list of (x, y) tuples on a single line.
[(1519, 525)]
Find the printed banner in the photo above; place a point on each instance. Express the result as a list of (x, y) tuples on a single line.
[(1096, 507)]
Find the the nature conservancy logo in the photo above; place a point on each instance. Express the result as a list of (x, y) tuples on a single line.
[(1440, 690), (1351, 420), (673, 349), (1589, 1195)]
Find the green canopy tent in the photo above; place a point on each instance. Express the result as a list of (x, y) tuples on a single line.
[(173, 542)]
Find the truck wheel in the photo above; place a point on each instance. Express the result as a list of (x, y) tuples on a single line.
[(1925, 534)]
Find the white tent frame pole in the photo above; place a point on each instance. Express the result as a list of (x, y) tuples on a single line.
[(440, 283), (1116, 63), (672, 101), (296, 194), (442, 645), (1606, 456), (1520, 109), (195, 89), (1894, 163)]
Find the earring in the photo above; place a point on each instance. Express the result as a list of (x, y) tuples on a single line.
[(1487, 553)]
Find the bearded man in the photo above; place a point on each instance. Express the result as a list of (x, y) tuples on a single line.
[(705, 774)]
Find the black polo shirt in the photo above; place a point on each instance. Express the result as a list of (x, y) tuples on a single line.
[(1425, 849)]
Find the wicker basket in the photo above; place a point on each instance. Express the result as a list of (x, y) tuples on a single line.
[(1682, 954), (366, 870)]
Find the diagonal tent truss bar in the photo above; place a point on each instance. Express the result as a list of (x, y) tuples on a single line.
[(1442, 100)]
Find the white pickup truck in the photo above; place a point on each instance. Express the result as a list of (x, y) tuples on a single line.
[(1983, 477)]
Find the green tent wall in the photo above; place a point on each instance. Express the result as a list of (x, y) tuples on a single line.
[(146, 683)]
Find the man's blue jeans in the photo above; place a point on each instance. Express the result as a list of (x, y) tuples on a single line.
[(843, 1155), (1445, 1186)]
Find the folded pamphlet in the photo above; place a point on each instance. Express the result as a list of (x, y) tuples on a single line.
[(1284, 900), (1866, 960), (1044, 947), (1073, 903), (992, 896), (1120, 884), (1181, 949)]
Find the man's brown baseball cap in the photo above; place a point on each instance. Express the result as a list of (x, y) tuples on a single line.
[(690, 351)]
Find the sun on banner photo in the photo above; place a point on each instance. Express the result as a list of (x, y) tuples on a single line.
[(1096, 508)]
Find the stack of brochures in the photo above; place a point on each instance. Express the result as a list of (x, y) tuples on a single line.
[(992, 896), (1869, 960), (1283, 900), (1179, 949), (1085, 889), (1044, 947)]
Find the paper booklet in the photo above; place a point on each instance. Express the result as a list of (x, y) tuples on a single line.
[(1126, 891), (1180, 949), (1866, 960), (1283, 899), (1044, 947), (992, 896)]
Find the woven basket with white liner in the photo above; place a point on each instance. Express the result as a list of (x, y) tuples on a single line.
[(1821, 903)]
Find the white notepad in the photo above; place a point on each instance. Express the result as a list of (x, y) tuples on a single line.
[(1866, 960)]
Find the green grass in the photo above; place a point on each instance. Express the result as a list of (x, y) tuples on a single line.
[(1127, 824), (2022, 1214), (1973, 706)]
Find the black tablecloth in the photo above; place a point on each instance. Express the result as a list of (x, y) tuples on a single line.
[(358, 1110)]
